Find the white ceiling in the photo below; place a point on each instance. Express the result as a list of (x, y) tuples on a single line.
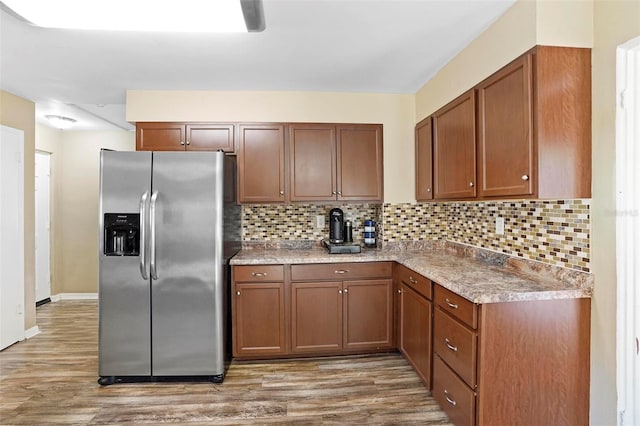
[(391, 46)]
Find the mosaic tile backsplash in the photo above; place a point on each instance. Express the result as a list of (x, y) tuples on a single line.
[(553, 232), (265, 222)]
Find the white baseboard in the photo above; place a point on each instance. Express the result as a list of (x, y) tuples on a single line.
[(28, 334), (74, 296)]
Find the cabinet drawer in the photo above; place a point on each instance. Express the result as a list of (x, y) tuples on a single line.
[(257, 273), (340, 271), (457, 306), (456, 345), (454, 397), (414, 280)]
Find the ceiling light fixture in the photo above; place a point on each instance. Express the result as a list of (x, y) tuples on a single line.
[(60, 121), (143, 15)]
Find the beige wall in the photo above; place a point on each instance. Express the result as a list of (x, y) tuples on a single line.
[(76, 200), (615, 22), (20, 114), (395, 112)]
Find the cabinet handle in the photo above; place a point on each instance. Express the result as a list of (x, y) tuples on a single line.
[(412, 281), (451, 305), (449, 400), (340, 271), (449, 345), (525, 177), (471, 184), (188, 143), (259, 274), (238, 293)]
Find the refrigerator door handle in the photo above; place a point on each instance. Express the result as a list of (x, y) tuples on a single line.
[(143, 235), (152, 223)]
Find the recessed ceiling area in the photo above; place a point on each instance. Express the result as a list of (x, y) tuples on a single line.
[(374, 46)]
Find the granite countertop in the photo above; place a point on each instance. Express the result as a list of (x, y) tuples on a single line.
[(478, 275)]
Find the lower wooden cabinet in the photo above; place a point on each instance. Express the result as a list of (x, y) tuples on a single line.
[(258, 306), (521, 362), (311, 312), (414, 318), (341, 316)]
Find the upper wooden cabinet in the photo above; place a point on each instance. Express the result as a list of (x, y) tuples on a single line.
[(261, 176), (331, 162), (424, 160), (159, 136), (454, 149), (534, 132), (505, 137), (534, 121)]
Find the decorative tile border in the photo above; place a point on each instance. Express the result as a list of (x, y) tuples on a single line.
[(554, 232)]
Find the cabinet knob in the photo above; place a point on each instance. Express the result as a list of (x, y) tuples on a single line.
[(281, 192), (428, 189), (525, 177), (339, 192), (346, 290), (188, 143), (400, 291), (471, 184), (339, 291), (238, 293), (181, 142), (333, 192)]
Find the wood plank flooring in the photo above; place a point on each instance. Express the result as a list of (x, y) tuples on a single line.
[(51, 378)]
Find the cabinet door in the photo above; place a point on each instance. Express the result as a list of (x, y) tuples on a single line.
[(160, 136), (505, 136), (316, 317), (415, 332), (259, 319), (360, 162), (261, 164), (368, 314), (210, 137), (312, 160), (454, 148), (424, 161)]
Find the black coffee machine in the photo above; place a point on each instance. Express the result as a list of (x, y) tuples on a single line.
[(336, 226)]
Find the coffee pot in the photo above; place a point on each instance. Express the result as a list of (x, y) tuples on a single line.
[(336, 226)]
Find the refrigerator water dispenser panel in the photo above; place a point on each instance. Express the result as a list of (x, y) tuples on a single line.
[(122, 234)]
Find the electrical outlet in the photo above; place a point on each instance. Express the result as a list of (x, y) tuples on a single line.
[(499, 225), (320, 222)]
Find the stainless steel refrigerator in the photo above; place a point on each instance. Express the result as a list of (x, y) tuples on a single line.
[(168, 225)]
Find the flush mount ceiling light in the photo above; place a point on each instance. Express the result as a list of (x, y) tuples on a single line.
[(143, 15), (60, 122)]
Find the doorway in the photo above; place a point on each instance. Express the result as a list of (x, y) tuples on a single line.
[(43, 227), (11, 236), (628, 231)]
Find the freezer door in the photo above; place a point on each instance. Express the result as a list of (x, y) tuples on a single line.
[(187, 302), (124, 305)]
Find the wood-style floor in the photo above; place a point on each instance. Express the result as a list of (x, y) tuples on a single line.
[(51, 378)]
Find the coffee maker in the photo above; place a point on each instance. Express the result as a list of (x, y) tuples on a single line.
[(336, 226)]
